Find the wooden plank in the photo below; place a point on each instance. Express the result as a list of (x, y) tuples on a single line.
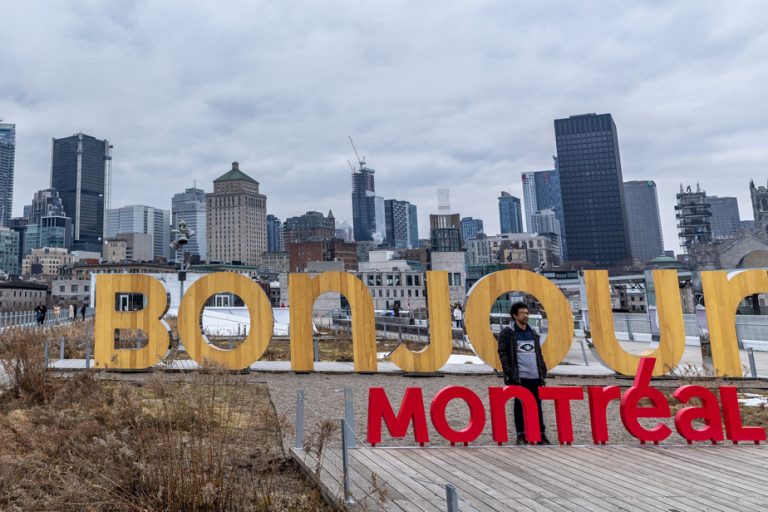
[(686, 478), (405, 479), (361, 481), (519, 458), (482, 492)]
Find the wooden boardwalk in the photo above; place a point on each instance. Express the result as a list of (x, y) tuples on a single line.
[(550, 478)]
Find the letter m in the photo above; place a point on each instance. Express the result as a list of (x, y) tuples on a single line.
[(411, 411)]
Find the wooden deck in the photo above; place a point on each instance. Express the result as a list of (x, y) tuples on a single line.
[(550, 478)]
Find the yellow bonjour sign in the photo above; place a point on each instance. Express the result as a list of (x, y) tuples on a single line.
[(722, 296)]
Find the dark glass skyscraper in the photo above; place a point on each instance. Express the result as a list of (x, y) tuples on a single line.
[(470, 228), (7, 162), (367, 208), (401, 223), (275, 237), (79, 173), (643, 220), (510, 214), (592, 191)]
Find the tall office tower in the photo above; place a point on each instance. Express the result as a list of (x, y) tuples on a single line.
[(643, 220), (470, 228), (275, 234), (7, 161), (143, 219), (510, 214), (402, 229), (80, 172), (189, 206), (19, 225), (592, 190), (693, 219), (310, 226), (236, 219), (45, 203), (529, 198), (368, 215), (9, 251), (725, 219)]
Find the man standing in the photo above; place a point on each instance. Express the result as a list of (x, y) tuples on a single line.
[(523, 364)]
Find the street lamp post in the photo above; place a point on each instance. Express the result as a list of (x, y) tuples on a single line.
[(183, 234)]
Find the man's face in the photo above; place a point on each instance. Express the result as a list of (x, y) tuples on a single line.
[(522, 316)]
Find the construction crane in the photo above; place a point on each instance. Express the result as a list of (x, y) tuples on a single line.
[(351, 167), (361, 161)]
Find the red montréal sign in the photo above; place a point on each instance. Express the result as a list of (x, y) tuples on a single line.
[(411, 412)]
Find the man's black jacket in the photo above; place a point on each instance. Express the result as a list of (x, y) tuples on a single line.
[(508, 356)]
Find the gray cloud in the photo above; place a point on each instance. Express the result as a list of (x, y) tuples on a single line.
[(460, 96)]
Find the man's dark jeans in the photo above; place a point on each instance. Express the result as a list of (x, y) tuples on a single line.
[(531, 385)]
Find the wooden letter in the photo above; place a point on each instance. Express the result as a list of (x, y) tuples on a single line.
[(302, 292), (148, 320), (485, 292), (722, 297), (259, 309), (436, 354), (672, 329)]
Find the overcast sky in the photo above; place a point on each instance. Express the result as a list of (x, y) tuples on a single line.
[(448, 94)]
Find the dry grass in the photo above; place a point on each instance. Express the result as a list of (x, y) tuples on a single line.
[(210, 443)]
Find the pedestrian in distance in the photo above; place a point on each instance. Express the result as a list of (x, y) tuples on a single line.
[(71, 312), (523, 364), (458, 316), (82, 311), (40, 311)]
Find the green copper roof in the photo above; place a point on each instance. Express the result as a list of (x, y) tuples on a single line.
[(235, 175)]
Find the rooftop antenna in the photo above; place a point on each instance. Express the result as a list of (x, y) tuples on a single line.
[(361, 161)]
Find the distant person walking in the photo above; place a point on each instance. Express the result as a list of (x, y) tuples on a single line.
[(82, 311), (71, 312), (523, 364), (458, 316), (57, 313), (40, 312)]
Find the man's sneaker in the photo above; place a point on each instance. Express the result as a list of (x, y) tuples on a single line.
[(544, 439), (521, 439)]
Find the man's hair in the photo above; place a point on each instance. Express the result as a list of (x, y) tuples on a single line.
[(517, 306)]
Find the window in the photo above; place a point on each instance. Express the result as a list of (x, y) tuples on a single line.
[(456, 279), (450, 279), (409, 280), (370, 280), (378, 280), (417, 280), (409, 293), (74, 288), (62, 288)]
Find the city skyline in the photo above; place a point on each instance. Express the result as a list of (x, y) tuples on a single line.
[(469, 130)]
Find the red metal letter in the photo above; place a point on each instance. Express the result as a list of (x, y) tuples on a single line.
[(411, 410), (732, 415), (630, 412), (562, 397), (599, 398), (476, 414), (709, 412), (498, 398)]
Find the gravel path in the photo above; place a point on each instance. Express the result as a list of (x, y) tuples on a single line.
[(324, 399)]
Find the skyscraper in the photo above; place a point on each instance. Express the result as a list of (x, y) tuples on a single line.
[(275, 234), (368, 215), (79, 171), (189, 206), (7, 162), (592, 190), (470, 228), (510, 214), (541, 191), (725, 218), (401, 224), (45, 203), (143, 219), (643, 220), (310, 226), (236, 219)]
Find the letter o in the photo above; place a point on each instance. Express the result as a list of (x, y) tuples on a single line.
[(259, 310), (476, 423), (484, 293)]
